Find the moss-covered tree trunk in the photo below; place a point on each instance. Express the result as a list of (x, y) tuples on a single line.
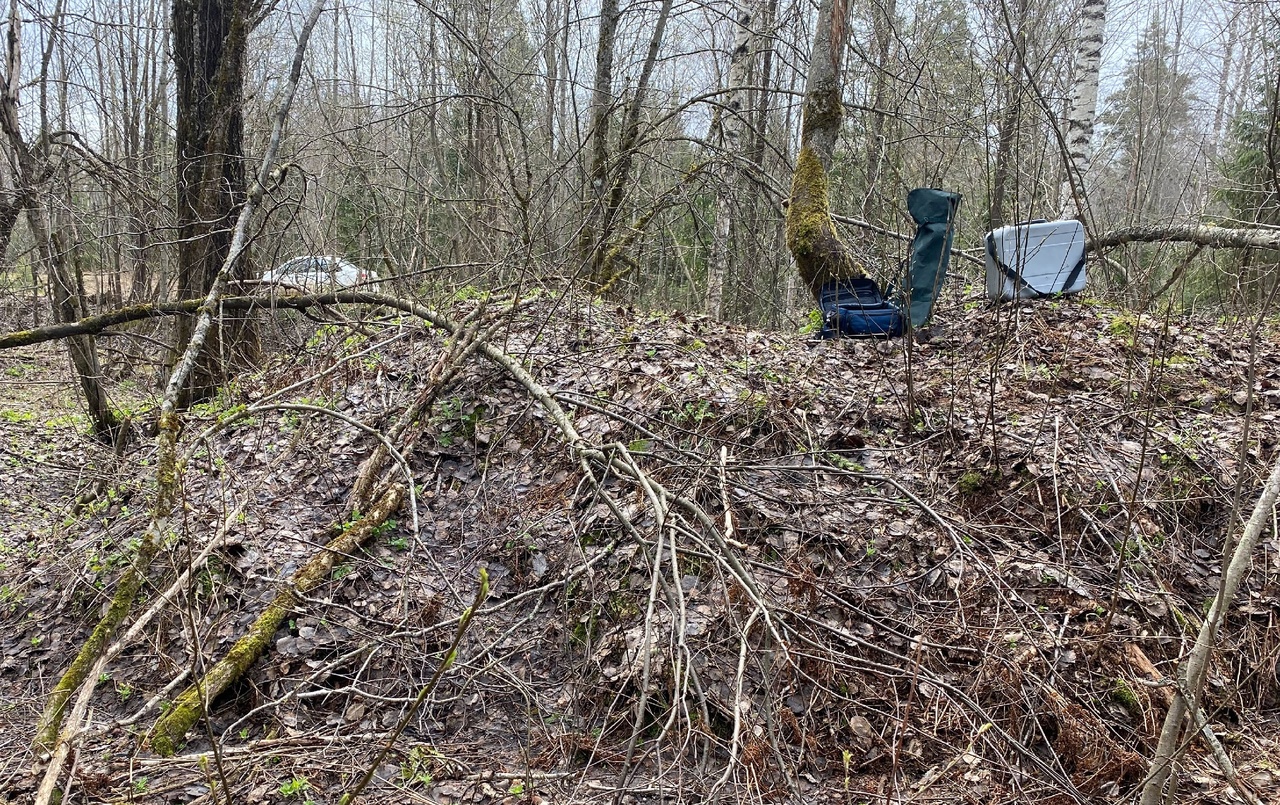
[(821, 255)]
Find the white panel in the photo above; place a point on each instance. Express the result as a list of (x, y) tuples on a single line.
[(1041, 254)]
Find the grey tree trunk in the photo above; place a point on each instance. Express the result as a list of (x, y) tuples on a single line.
[(882, 28), (733, 117), (1011, 119), (34, 170), (601, 253), (602, 103)]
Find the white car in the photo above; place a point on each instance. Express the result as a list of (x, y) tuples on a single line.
[(315, 274)]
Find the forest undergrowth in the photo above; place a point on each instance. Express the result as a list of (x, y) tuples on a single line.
[(792, 570)]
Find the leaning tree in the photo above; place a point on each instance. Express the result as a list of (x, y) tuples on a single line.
[(821, 255)]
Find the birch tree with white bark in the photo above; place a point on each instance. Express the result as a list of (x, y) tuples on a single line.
[(1083, 111)]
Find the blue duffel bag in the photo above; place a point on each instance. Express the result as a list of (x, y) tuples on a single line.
[(855, 308)]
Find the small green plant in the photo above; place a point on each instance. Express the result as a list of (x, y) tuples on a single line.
[(1123, 325), (516, 788), (813, 324), (295, 787), (694, 412), (399, 543), (971, 482), (351, 522), (844, 463), (416, 768), (469, 292), (1124, 695), (140, 785)]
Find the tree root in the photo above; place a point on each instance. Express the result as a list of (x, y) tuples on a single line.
[(193, 702)]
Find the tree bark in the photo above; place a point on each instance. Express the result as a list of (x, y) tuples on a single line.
[(209, 41), (32, 175), (882, 29), (602, 102), (604, 252), (732, 118), (1210, 236), (820, 254), (1082, 113), (1010, 121)]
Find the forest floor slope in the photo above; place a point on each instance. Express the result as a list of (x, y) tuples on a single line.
[(954, 568)]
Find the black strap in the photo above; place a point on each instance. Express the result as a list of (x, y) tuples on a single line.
[(1075, 272), (1013, 276)]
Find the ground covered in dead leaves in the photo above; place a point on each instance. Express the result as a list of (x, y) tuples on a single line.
[(952, 568)]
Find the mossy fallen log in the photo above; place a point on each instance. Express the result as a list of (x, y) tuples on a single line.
[(190, 706), (127, 589)]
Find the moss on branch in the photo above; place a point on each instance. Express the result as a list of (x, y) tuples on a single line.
[(172, 727)]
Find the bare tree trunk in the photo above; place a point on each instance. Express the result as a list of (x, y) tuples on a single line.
[(820, 254), (1224, 84), (602, 102), (1084, 105), (209, 40), (32, 176), (1007, 131), (602, 259), (733, 118), (882, 28), (766, 35)]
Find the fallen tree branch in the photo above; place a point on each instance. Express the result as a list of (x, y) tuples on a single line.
[(188, 307), (879, 230), (167, 466), (1212, 236), (193, 702), (1197, 664)]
